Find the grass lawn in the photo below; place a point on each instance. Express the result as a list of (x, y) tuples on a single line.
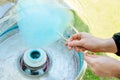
[(90, 76)]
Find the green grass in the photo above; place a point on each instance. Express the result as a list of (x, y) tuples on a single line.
[(79, 24), (82, 27), (90, 76)]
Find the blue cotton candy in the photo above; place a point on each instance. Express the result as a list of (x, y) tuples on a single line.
[(40, 23)]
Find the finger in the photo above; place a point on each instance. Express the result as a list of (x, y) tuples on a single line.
[(74, 37), (92, 56), (66, 43), (89, 60), (94, 70), (83, 49), (69, 48), (79, 49), (76, 43)]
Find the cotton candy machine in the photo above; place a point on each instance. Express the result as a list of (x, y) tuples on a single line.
[(53, 62)]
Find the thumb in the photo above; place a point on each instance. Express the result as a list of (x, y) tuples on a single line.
[(76, 43), (89, 60)]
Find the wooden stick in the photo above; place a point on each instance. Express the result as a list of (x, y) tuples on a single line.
[(60, 34), (74, 28)]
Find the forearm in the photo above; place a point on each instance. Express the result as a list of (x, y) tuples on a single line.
[(116, 73), (108, 45)]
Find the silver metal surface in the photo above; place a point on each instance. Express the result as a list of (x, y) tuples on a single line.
[(34, 71), (61, 64), (65, 65), (5, 8)]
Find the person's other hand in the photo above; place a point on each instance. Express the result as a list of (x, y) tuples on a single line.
[(84, 41), (103, 66)]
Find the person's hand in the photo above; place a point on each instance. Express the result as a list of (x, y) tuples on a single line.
[(84, 41), (103, 66)]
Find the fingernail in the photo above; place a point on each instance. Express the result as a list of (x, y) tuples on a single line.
[(76, 50), (69, 48), (69, 43)]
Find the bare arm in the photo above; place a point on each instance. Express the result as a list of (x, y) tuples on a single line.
[(103, 66), (108, 45), (88, 42)]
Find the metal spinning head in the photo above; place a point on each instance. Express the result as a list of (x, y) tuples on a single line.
[(34, 62)]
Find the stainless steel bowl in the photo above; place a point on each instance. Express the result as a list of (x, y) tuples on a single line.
[(64, 64)]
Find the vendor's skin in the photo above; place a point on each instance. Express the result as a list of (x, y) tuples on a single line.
[(103, 66)]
